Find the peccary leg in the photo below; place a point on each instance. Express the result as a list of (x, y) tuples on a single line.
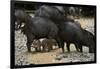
[(39, 48), (49, 48), (76, 45), (39, 45), (29, 42), (43, 48), (36, 49), (50, 45), (80, 47), (91, 49), (68, 46), (62, 45), (58, 42), (29, 45), (43, 45)]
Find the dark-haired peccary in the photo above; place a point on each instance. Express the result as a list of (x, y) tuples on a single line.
[(54, 13), (88, 40), (35, 28), (73, 33)]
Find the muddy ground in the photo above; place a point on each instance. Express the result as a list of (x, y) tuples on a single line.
[(22, 57)]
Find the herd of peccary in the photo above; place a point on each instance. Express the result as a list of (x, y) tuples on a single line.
[(50, 22)]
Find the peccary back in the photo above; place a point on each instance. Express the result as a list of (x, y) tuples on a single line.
[(51, 12)]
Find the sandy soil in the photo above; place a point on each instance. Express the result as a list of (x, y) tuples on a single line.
[(22, 57)]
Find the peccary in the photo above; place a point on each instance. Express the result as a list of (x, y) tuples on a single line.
[(73, 33), (37, 45), (88, 40), (35, 28), (54, 13), (48, 44)]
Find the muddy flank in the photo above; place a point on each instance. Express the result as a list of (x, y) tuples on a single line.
[(22, 57)]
